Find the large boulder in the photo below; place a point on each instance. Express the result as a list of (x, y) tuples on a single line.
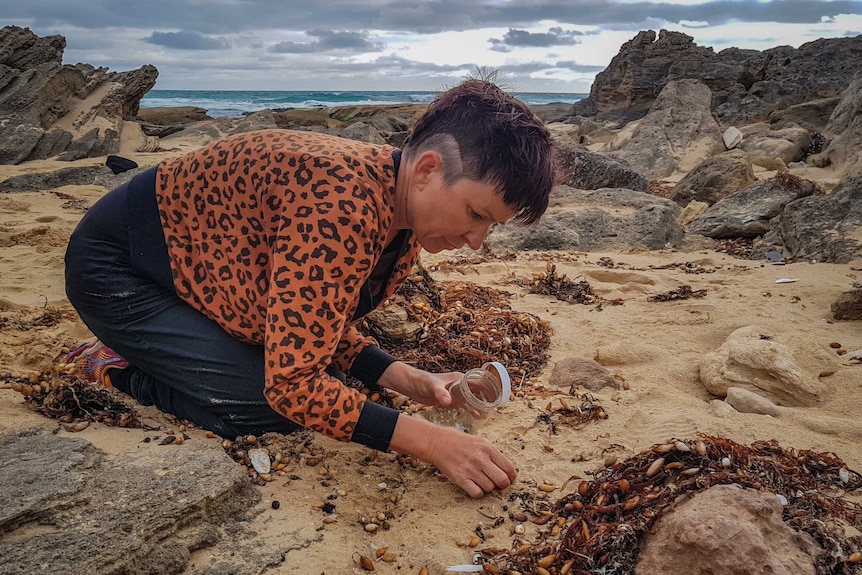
[(593, 220), (48, 108), (677, 134), (788, 144), (714, 179), (749, 212), (750, 361), (580, 168)]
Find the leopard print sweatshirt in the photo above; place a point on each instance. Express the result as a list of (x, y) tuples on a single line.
[(274, 235)]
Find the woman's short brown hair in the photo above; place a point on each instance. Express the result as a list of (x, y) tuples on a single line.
[(499, 139)]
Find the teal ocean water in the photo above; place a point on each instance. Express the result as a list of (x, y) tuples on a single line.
[(222, 103)]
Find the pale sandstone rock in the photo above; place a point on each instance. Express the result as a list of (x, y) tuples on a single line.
[(752, 362)]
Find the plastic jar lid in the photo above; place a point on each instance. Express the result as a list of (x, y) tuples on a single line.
[(497, 368)]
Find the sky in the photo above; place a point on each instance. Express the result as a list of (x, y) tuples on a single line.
[(532, 45)]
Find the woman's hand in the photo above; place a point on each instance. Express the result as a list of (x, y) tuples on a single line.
[(471, 462), (421, 386)]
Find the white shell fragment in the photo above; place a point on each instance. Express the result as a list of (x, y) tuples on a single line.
[(259, 460), (465, 568), (843, 475), (785, 281)]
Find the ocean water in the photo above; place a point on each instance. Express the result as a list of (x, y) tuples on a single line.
[(231, 103)]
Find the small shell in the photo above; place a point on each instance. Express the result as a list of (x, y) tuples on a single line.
[(855, 557), (371, 527), (260, 460), (549, 488), (547, 560), (700, 448), (843, 475), (681, 446)]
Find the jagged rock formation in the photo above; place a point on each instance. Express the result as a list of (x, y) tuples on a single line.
[(50, 109), (747, 85)]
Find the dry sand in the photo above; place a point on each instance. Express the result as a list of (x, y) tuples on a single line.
[(654, 347)]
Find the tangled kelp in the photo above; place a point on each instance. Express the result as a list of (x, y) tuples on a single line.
[(561, 287), (74, 402), (464, 326), (601, 527)]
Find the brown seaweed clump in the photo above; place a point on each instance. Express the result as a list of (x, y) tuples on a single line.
[(74, 402), (561, 287), (601, 527), (464, 326), (683, 292)]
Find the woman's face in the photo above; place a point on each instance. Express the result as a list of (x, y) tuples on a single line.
[(446, 217)]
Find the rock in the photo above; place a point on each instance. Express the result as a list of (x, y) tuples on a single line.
[(75, 176), (745, 401), (729, 530), (821, 228), (748, 213), (141, 511), (848, 306), (812, 116), (678, 133), (691, 212), (167, 116), (574, 372), (594, 220), (787, 144), (845, 130), (731, 137), (714, 179), (580, 168), (393, 321), (749, 361)]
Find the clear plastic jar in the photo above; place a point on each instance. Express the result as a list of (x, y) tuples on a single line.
[(474, 398)]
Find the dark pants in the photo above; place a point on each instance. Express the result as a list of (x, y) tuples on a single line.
[(181, 361)]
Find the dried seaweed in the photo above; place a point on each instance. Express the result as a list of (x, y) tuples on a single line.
[(561, 287), (607, 519), (738, 247), (68, 398), (683, 292), (465, 326)]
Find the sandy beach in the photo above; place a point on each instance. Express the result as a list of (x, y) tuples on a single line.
[(653, 349)]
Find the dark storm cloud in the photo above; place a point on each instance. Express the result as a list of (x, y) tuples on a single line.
[(186, 40), (329, 40), (522, 38), (397, 15)]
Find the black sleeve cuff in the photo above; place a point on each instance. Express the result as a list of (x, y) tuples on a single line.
[(375, 426), (370, 364)]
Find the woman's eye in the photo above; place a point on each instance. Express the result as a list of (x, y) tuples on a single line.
[(474, 215)]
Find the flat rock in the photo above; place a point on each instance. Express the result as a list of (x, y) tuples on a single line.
[(67, 507)]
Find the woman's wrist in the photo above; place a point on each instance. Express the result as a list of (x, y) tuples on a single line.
[(396, 376)]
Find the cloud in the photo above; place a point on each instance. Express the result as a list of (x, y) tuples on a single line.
[(186, 40), (522, 38), (330, 40)]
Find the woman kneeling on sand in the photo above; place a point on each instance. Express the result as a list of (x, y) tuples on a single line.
[(224, 284)]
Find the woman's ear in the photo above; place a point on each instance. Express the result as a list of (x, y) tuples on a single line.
[(428, 165)]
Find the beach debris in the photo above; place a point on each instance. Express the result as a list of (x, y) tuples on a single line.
[(682, 292), (561, 287), (740, 248), (465, 325), (601, 525), (59, 392), (785, 281)]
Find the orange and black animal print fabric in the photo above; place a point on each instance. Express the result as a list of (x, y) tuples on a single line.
[(272, 234)]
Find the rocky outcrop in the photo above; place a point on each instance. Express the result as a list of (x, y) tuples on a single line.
[(747, 85), (50, 109)]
